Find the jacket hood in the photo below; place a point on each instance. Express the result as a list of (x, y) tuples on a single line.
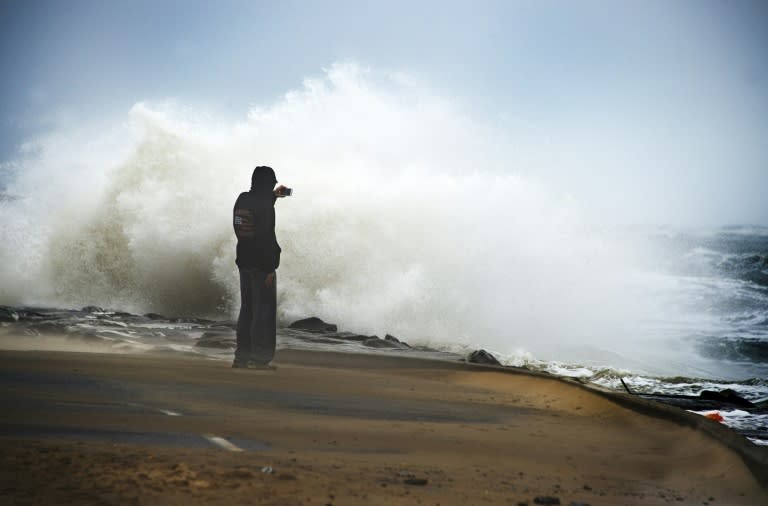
[(263, 178)]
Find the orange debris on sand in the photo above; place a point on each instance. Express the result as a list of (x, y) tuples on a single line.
[(714, 415)]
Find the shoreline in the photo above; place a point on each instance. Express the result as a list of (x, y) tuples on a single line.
[(459, 426)]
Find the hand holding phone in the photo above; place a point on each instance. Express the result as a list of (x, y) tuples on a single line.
[(282, 191)]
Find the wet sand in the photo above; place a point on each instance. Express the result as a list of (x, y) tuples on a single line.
[(332, 428)]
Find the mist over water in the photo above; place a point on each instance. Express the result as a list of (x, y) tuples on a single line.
[(409, 217)]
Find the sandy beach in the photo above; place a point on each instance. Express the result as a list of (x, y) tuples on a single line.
[(333, 428)]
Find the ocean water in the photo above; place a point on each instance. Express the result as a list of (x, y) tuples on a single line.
[(409, 218)]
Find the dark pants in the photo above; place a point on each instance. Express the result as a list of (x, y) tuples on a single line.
[(256, 325)]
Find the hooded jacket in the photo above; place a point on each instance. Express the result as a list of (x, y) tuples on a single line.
[(254, 224)]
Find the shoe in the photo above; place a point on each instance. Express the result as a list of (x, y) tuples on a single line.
[(252, 364)]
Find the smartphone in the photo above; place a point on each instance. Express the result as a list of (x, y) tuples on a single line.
[(286, 192)]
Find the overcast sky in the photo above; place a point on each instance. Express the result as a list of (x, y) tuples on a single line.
[(611, 101)]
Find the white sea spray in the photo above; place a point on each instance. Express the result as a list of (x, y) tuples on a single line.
[(410, 217)]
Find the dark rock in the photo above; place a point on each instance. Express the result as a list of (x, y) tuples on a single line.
[(546, 499), (707, 399), (349, 336), (191, 319), (397, 341), (214, 333), (8, 315), (415, 481), (728, 396), (483, 357), (154, 316), (375, 342), (313, 324), (216, 340), (93, 309)]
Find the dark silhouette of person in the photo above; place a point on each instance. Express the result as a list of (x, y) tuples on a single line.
[(258, 257)]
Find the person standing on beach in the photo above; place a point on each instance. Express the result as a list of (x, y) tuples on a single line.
[(258, 256)]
